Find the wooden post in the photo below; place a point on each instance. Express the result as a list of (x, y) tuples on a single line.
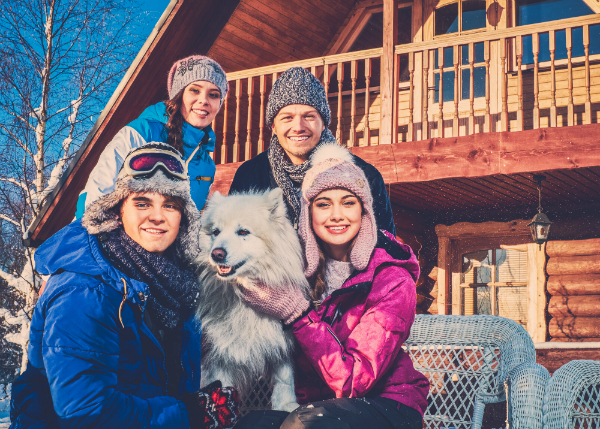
[(248, 146), (503, 91), (535, 43), (586, 47), (570, 110), (519, 43), (388, 92), (487, 126), (326, 79), (440, 64), (411, 97), (353, 104), (261, 124), (236, 141), (552, 42), (455, 51), (367, 130), (224, 149), (471, 89), (425, 97), (340, 79), (213, 125), (444, 277)]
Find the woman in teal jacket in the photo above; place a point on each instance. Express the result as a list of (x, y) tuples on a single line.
[(197, 87)]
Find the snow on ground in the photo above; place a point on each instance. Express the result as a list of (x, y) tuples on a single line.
[(4, 420)]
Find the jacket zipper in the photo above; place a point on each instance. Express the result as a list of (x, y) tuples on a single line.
[(338, 341)]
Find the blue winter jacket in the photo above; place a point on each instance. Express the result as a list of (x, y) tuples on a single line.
[(92, 362), (150, 127)]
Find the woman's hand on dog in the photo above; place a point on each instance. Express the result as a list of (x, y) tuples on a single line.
[(286, 304)]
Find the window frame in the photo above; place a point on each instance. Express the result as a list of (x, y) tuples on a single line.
[(460, 32)]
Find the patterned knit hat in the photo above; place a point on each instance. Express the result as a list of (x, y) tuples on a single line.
[(103, 216), (332, 166), (297, 86), (194, 68)]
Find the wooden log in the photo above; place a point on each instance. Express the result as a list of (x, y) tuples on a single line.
[(575, 340), (573, 247), (587, 264), (575, 284), (574, 327), (574, 306), (552, 359)]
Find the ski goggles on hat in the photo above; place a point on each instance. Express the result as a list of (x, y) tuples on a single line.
[(145, 162)]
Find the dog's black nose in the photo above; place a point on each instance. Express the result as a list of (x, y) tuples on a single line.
[(218, 254)]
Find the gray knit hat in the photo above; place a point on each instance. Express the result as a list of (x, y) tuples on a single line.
[(103, 216), (297, 86), (194, 68)]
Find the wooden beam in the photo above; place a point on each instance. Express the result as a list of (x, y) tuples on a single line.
[(350, 32), (390, 36), (593, 4)]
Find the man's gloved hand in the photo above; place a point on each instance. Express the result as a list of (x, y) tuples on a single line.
[(287, 304), (212, 407)]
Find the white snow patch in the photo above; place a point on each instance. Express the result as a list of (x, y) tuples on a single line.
[(320, 414), (310, 406)]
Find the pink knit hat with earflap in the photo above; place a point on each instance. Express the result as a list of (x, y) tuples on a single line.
[(332, 166)]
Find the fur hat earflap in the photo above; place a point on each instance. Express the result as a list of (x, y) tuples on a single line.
[(103, 214), (332, 166)]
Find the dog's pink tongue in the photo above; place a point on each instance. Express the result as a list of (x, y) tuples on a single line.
[(224, 270)]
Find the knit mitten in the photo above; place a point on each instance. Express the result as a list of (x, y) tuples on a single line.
[(212, 407), (287, 304)]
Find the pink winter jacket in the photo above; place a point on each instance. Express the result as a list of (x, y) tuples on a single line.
[(351, 346)]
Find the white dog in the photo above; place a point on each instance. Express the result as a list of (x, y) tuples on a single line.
[(246, 239)]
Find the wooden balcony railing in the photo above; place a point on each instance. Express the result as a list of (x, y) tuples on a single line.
[(504, 80)]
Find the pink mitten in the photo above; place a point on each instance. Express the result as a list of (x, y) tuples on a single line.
[(286, 304)]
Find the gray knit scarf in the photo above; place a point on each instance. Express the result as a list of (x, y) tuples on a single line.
[(288, 176), (173, 288)]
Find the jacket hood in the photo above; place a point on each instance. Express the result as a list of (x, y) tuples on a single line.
[(74, 250), (191, 135), (388, 250)]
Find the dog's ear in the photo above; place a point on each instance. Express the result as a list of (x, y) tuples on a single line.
[(276, 204)]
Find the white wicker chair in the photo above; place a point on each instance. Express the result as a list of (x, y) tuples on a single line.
[(572, 399), (470, 361)]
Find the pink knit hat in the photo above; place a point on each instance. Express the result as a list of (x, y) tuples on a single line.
[(195, 68), (332, 166)]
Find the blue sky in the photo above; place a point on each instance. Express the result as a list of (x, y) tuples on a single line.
[(155, 8)]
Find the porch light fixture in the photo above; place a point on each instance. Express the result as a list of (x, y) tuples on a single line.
[(540, 224)]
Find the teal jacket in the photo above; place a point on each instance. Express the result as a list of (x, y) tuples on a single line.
[(150, 127)]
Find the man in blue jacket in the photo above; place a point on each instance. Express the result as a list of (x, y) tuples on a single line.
[(114, 341), (299, 114)]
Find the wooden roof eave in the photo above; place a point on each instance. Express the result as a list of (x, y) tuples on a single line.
[(138, 89)]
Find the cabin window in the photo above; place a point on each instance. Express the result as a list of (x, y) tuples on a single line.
[(464, 77), (460, 16), (494, 282), (536, 11)]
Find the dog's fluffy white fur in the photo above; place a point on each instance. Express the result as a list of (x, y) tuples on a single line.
[(239, 344)]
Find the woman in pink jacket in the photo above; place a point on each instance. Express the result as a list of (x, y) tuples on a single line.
[(350, 369)]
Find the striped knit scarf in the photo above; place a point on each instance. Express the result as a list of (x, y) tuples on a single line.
[(288, 176)]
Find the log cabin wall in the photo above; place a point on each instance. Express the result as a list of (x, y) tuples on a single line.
[(574, 288)]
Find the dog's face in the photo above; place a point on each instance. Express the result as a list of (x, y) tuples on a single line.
[(239, 232)]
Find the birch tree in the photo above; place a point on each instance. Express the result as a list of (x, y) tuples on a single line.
[(59, 62)]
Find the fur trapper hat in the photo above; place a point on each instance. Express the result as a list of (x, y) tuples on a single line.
[(195, 68), (103, 215), (332, 166), (298, 86)]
